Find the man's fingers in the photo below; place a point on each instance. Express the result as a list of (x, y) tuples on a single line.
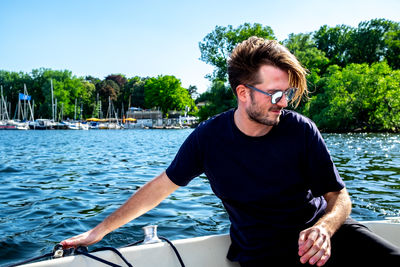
[(306, 241), (323, 259), (74, 241), (316, 251)]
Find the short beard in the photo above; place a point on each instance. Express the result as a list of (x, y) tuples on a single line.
[(255, 114)]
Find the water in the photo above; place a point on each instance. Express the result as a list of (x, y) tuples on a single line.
[(55, 184)]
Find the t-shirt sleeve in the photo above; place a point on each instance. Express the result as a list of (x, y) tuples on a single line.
[(188, 162), (321, 171)]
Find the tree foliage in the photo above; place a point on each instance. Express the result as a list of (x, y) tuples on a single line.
[(217, 45), (358, 96), (166, 93), (353, 73), (217, 99)]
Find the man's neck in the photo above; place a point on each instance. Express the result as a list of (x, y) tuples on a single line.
[(248, 126)]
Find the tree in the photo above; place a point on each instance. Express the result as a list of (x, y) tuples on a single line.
[(66, 88), (367, 42), (358, 96), (392, 54), (217, 99), (370, 42), (13, 84), (334, 41), (305, 49), (118, 79), (217, 45), (167, 93), (192, 90), (133, 92), (108, 88)]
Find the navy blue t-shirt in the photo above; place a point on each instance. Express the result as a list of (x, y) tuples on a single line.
[(271, 186)]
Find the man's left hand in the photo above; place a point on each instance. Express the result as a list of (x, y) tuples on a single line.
[(314, 245)]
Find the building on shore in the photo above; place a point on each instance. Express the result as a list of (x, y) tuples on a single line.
[(155, 119), (145, 118)]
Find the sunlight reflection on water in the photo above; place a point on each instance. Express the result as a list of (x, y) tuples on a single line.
[(56, 184)]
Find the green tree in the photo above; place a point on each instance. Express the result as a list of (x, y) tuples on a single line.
[(217, 45), (133, 92), (303, 46), (358, 96), (367, 42), (370, 42), (13, 84), (66, 88), (392, 54), (334, 41), (217, 98), (167, 93)]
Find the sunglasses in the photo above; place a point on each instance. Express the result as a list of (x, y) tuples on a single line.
[(277, 95)]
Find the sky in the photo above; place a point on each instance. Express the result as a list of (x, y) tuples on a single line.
[(153, 37)]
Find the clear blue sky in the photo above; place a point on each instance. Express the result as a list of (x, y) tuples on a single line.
[(149, 38)]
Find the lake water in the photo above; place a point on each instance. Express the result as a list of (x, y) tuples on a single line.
[(55, 184)]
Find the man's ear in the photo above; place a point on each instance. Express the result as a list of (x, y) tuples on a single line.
[(242, 93)]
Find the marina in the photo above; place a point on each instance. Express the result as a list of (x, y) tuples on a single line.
[(134, 118)]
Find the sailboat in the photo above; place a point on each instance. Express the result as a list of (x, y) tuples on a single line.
[(77, 124), (110, 122), (18, 124)]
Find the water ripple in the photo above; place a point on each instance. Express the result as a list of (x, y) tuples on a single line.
[(56, 184)]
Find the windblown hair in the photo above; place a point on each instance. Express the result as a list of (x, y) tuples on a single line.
[(248, 56)]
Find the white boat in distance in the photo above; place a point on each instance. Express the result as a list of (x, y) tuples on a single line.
[(209, 251), (77, 125), (42, 124)]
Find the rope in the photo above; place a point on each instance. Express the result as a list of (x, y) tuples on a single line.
[(175, 250), (169, 242), (115, 251), (84, 251)]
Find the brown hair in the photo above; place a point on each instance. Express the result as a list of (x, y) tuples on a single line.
[(249, 55)]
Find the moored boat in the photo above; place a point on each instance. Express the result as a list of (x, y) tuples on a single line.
[(41, 124), (207, 251), (78, 126), (13, 125)]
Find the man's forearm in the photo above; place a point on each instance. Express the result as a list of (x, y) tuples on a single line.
[(314, 242), (337, 210), (146, 198)]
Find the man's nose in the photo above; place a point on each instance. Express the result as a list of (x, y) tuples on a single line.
[(282, 102)]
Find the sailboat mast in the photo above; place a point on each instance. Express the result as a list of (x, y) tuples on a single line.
[(1, 104), (75, 111), (25, 111), (2, 112), (55, 110), (52, 100)]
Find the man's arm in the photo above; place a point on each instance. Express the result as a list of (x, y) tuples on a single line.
[(146, 198), (315, 242)]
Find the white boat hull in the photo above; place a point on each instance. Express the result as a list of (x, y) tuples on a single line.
[(207, 251)]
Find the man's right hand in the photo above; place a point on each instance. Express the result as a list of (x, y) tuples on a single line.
[(85, 239)]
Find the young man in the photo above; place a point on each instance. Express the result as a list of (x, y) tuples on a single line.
[(269, 166)]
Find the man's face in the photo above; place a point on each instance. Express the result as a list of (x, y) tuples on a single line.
[(260, 109)]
